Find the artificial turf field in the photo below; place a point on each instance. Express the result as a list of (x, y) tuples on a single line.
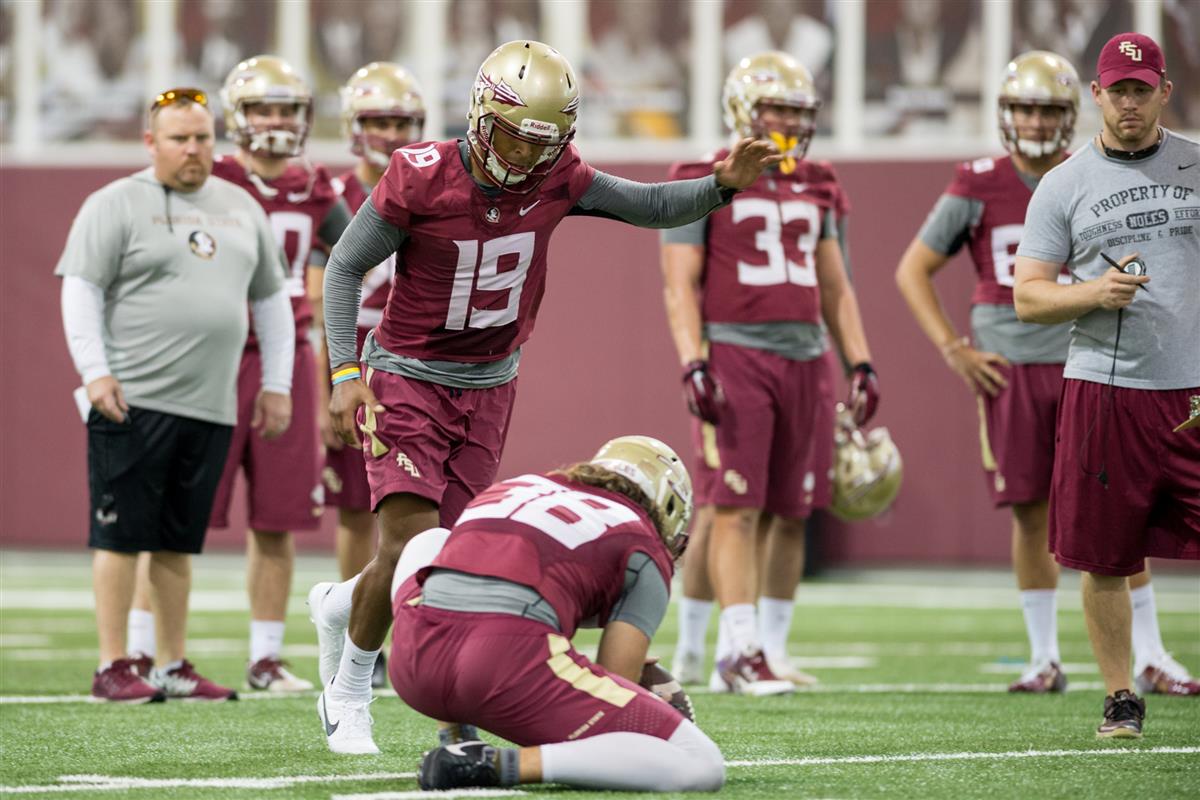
[(911, 702)]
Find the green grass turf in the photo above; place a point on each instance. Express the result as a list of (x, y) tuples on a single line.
[(899, 636)]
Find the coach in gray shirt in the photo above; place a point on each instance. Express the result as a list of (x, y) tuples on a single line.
[(157, 271), (1123, 213)]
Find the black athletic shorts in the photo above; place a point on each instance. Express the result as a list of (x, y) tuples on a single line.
[(152, 479)]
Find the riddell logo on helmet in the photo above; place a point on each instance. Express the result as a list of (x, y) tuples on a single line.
[(1132, 50)]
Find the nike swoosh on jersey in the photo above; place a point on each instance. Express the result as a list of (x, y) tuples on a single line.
[(1189, 166), (525, 211)]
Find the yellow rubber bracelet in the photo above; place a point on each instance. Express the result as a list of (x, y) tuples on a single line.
[(344, 372)]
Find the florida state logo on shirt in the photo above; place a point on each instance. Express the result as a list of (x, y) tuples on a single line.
[(203, 245), (492, 215)]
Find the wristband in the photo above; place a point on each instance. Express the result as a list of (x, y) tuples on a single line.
[(347, 374)]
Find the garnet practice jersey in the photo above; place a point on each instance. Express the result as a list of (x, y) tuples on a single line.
[(761, 249), (472, 269), (993, 240), (568, 542), (378, 282), (296, 212)]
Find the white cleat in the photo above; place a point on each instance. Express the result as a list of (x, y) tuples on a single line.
[(330, 637), (717, 684), (785, 670), (347, 726), (688, 668)]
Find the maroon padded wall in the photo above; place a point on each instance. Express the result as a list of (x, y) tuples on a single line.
[(600, 364)]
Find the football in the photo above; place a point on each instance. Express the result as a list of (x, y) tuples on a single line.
[(664, 686)]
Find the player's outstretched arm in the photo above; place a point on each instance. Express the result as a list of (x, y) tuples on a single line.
[(914, 278), (745, 162)]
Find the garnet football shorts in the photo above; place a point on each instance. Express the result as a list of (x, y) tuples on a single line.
[(1017, 433)]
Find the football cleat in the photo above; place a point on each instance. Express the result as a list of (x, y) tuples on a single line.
[(330, 637), (749, 673), (121, 683), (786, 670), (184, 683), (347, 726), (1123, 716), (688, 667), (143, 663), (379, 676), (454, 765), (457, 733), (1165, 675), (271, 675), (717, 684), (1044, 678)]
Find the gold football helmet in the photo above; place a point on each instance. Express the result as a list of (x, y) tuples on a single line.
[(380, 89), (867, 470), (1039, 78), (772, 78), (266, 79), (525, 91), (655, 469)]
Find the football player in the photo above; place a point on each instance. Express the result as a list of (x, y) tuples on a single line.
[(484, 617), (382, 110), (470, 223), (268, 113), (1013, 368), (749, 293)]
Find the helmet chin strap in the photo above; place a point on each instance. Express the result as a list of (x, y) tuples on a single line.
[(1032, 149)]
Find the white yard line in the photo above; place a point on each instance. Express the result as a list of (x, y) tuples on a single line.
[(106, 783), (1012, 754)]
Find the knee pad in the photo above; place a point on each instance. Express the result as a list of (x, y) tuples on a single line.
[(707, 768)]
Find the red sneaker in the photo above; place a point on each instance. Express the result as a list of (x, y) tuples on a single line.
[(184, 683), (1167, 676), (750, 674), (120, 683), (1047, 678), (143, 663)]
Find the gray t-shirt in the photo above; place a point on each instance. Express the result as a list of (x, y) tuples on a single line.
[(995, 327), (1091, 204), (175, 292)]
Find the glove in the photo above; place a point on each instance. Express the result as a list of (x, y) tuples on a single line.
[(864, 393), (702, 392)]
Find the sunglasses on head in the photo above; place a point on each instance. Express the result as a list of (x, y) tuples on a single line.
[(170, 96)]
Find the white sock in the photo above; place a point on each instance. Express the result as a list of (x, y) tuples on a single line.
[(1040, 607), (266, 639), (774, 624), (353, 679), (636, 762), (1147, 639), (139, 632), (693, 624), (724, 643), (336, 606), (742, 622)]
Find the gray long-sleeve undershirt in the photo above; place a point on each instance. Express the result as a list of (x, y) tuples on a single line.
[(370, 239)]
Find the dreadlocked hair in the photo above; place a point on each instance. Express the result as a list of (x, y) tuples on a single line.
[(592, 475)]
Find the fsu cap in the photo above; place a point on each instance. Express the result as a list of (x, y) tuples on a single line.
[(1130, 55)]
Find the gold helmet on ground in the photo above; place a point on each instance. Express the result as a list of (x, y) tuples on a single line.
[(655, 469), (381, 89), (772, 78), (867, 470), (527, 91), (1039, 78), (266, 79)]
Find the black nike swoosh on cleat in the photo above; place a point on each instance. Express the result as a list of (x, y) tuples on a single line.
[(330, 730), (1189, 166)]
